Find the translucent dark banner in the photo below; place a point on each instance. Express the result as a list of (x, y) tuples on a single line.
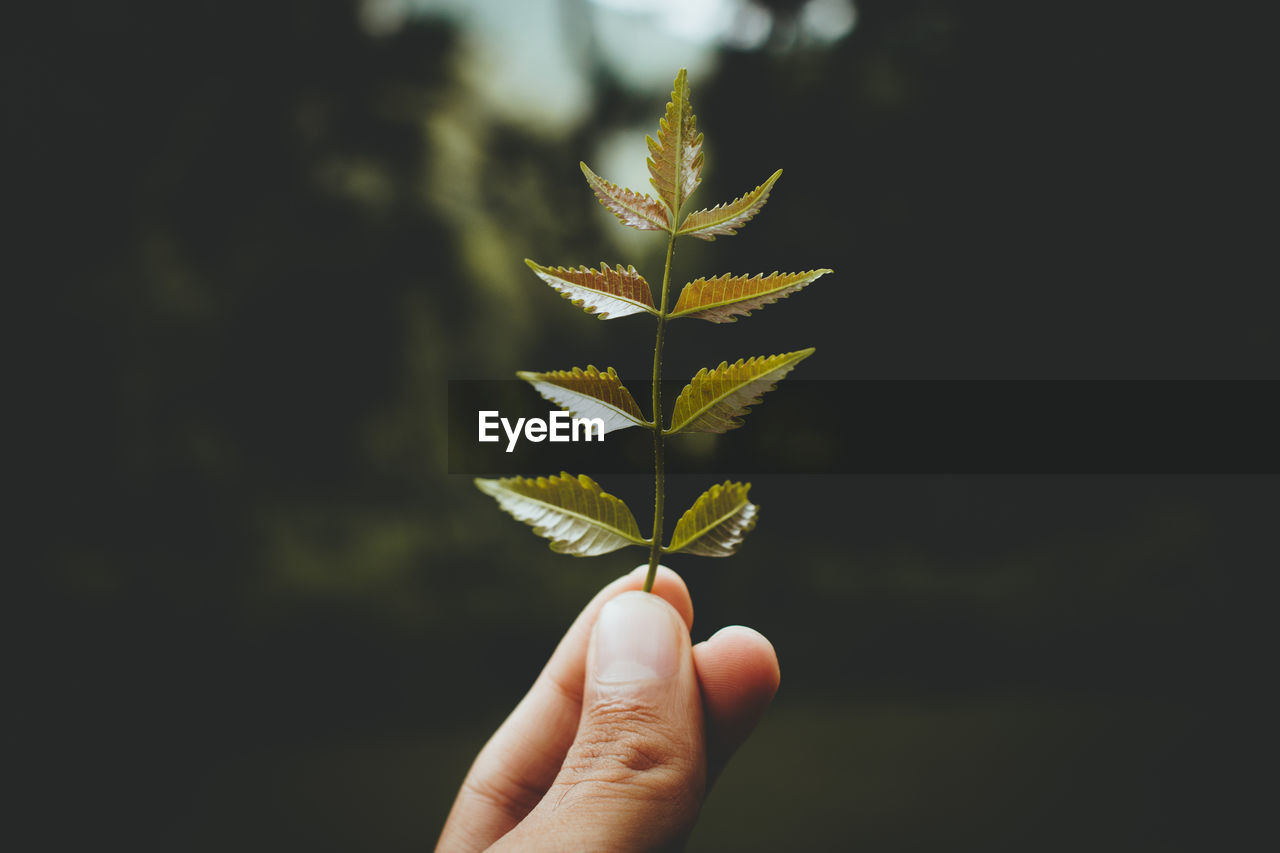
[(902, 427)]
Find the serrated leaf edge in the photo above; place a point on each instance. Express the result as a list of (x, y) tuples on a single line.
[(673, 146), (729, 216), (710, 495), (729, 310), (593, 374), (786, 365), (637, 210), (494, 488), (552, 276)]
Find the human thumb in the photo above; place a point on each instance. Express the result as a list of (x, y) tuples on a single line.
[(635, 775)]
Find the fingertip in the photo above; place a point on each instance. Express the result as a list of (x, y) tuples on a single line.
[(749, 641), (740, 662), (739, 675)]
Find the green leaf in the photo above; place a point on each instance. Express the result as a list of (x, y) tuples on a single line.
[(589, 394), (716, 523), (631, 208), (675, 159), (716, 400), (725, 298), (611, 292), (573, 512), (724, 219)]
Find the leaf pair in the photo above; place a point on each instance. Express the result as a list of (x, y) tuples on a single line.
[(675, 169), (613, 293), (714, 400), (648, 214), (582, 519)]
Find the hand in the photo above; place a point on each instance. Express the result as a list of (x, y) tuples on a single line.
[(614, 746)]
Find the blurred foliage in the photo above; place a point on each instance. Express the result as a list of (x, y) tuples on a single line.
[(256, 243)]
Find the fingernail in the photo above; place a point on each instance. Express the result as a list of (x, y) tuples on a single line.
[(636, 639)]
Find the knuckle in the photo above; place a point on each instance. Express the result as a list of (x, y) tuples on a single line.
[(623, 746)]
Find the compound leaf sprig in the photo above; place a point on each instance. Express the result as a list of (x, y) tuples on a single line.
[(574, 513)]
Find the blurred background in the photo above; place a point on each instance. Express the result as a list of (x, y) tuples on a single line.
[(257, 239)]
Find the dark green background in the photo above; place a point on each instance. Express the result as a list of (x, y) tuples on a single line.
[(259, 615)]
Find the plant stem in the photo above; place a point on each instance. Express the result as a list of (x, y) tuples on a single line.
[(659, 486)]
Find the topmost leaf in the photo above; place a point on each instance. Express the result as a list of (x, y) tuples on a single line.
[(675, 159)]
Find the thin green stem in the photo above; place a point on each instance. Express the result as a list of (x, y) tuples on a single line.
[(659, 486)]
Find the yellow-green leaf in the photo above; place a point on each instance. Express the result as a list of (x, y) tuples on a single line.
[(675, 158), (716, 523), (725, 298), (631, 208), (716, 400), (725, 219), (577, 515), (589, 394), (612, 293)]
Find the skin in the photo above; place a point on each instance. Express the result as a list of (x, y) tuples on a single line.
[(618, 756)]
